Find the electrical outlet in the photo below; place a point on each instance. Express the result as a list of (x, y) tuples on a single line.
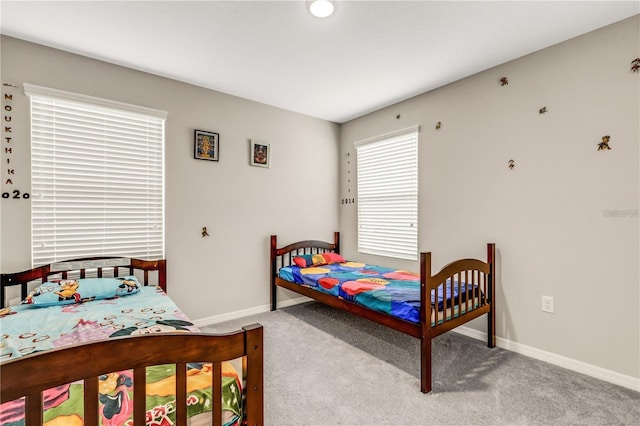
[(547, 304)]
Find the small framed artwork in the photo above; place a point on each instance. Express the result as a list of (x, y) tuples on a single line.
[(260, 153), (206, 145)]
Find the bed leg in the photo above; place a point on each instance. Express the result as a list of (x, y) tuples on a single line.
[(274, 288), (491, 316), (425, 364), (425, 322), (491, 328), (274, 296)]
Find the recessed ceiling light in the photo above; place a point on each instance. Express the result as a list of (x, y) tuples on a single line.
[(321, 8)]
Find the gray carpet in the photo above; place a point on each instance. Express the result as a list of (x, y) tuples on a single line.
[(325, 367)]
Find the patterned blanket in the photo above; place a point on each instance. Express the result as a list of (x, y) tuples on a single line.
[(391, 291), (27, 329)]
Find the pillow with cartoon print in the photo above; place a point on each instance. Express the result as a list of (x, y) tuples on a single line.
[(309, 260), (68, 291)]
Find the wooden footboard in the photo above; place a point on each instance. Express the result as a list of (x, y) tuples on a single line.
[(29, 376), (434, 320), (475, 273)]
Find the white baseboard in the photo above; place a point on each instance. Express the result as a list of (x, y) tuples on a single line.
[(561, 361), (203, 322)]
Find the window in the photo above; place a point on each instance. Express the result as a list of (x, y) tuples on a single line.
[(388, 194), (97, 177)]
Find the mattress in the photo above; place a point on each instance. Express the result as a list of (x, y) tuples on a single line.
[(28, 329), (391, 291)]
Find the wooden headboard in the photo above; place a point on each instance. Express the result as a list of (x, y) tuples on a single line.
[(283, 256), (88, 267)]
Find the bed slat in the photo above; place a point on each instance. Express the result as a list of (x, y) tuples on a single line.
[(217, 397), (33, 407), (91, 392), (479, 293), (477, 283), (139, 394), (466, 281), (181, 393), (448, 282)]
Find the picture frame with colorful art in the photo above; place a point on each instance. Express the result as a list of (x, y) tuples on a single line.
[(206, 145), (260, 153)]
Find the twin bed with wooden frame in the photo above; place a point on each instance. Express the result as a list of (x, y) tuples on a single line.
[(434, 318), (27, 378)]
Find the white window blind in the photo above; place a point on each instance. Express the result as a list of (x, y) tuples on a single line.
[(97, 177), (387, 178)]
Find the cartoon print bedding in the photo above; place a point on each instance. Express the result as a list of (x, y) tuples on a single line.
[(391, 291), (26, 329)]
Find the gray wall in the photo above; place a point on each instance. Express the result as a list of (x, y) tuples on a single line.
[(547, 215), (240, 205)]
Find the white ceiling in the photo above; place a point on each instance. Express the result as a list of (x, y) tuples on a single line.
[(367, 55)]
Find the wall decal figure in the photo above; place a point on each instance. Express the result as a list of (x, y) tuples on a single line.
[(605, 143)]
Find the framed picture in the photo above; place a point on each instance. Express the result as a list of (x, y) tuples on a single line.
[(206, 145), (260, 153)]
